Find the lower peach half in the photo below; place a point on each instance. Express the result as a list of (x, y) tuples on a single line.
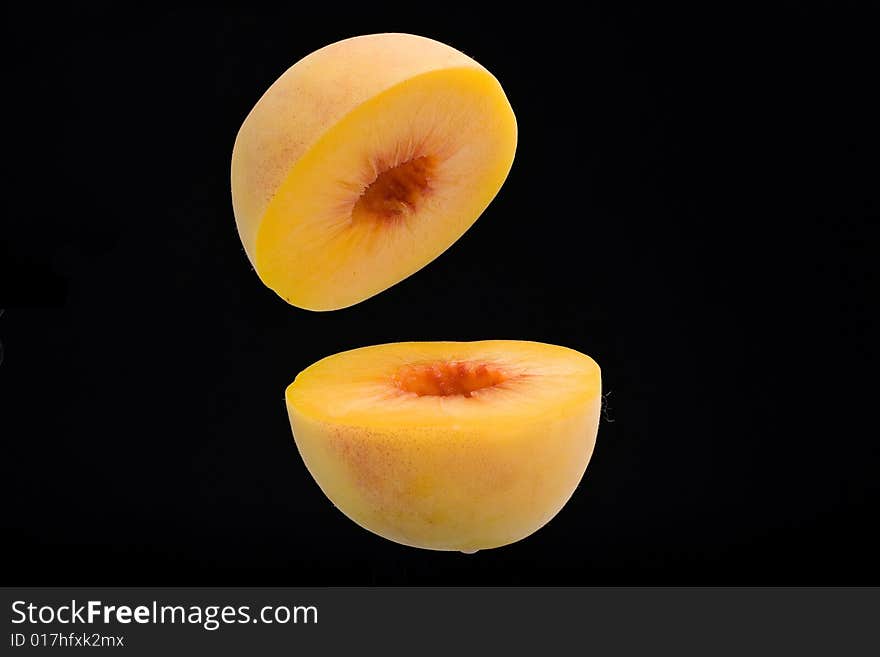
[(458, 454)]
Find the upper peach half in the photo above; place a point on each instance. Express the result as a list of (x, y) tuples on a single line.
[(365, 161)]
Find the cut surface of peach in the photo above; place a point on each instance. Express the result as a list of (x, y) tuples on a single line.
[(448, 445), (365, 161)]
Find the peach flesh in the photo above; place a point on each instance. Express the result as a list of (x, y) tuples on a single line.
[(447, 378), (396, 192)]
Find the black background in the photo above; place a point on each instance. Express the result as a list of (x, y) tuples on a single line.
[(690, 205)]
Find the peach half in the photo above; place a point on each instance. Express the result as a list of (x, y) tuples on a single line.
[(365, 161), (448, 445)]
